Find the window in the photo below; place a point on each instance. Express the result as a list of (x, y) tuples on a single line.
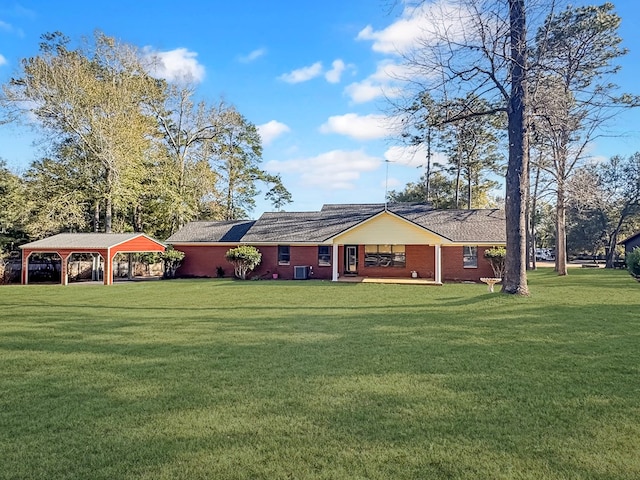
[(284, 255), (324, 255), (384, 256), (470, 257)]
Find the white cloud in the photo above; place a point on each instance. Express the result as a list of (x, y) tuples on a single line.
[(302, 74), (8, 28), (412, 156), (271, 130), (254, 55), (333, 75), (367, 90), (396, 38), (175, 65), (418, 25), (367, 127), (383, 83), (3, 61), (334, 170)]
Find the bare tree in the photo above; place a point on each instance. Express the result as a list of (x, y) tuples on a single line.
[(478, 49), (574, 60)]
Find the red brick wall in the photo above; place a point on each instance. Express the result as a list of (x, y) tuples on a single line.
[(453, 270), (201, 261)]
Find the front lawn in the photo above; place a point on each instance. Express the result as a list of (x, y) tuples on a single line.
[(222, 379)]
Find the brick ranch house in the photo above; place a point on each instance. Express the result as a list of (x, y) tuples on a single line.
[(368, 240)]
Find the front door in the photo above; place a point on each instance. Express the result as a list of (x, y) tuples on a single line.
[(351, 259)]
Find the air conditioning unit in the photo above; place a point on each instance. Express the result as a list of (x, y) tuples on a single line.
[(300, 272)]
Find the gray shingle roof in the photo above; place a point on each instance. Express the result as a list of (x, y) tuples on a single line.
[(464, 226), (82, 240), (220, 231)]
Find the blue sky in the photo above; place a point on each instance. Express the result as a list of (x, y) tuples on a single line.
[(309, 74)]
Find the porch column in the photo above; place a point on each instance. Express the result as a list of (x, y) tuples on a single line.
[(438, 272), (334, 264)]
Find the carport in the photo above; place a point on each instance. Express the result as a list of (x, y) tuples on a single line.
[(107, 245)]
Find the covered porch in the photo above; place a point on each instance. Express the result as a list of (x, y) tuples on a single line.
[(389, 280), (388, 249)]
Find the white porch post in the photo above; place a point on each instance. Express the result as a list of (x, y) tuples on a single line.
[(334, 263), (438, 272)]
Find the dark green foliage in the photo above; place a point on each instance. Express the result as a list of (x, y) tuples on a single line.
[(496, 257), (172, 260), (244, 259), (633, 262)]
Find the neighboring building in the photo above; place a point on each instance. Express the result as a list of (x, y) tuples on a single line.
[(631, 243), (368, 240)]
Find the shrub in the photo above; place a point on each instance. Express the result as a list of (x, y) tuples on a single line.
[(172, 260), (219, 272), (244, 259), (4, 271), (496, 257), (633, 262)]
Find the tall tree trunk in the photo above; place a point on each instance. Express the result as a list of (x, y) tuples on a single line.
[(561, 230), (108, 208), (96, 216), (613, 240), (469, 192), (517, 178), (532, 219), (108, 214)]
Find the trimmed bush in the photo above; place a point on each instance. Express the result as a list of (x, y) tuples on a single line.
[(244, 259), (172, 260), (496, 257)]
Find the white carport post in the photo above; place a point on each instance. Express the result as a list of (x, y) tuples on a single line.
[(438, 272), (334, 264)]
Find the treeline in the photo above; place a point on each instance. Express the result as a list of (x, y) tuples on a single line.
[(455, 105), (125, 150)]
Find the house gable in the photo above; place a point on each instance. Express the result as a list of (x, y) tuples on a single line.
[(387, 228)]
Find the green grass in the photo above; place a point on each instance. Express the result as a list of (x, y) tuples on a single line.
[(267, 380)]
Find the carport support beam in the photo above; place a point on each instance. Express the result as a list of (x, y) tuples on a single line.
[(24, 274), (64, 268)]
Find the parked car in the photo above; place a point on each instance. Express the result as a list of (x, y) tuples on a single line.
[(545, 255)]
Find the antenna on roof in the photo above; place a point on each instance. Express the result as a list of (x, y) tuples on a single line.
[(386, 183)]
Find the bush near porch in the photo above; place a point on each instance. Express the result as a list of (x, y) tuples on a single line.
[(198, 379)]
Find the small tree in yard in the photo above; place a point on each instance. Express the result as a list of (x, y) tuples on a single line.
[(633, 262), (4, 273), (496, 257), (244, 259), (172, 260)]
